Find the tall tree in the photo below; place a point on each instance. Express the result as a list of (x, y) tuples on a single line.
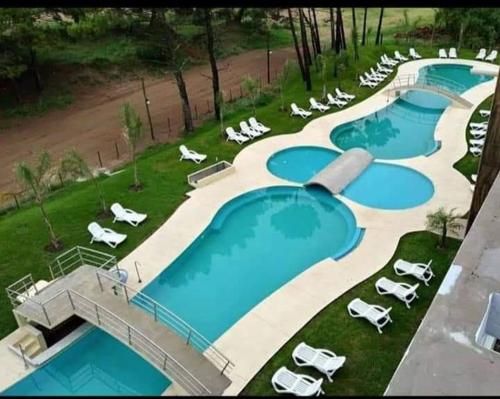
[(313, 34), (332, 28), (338, 42), (490, 159), (378, 39), (354, 34), (213, 62), (305, 50), (363, 40), (37, 180), (296, 44), (132, 133), (340, 21), (316, 29)]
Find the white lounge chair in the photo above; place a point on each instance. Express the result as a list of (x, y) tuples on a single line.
[(492, 56), (472, 187), (378, 74), (420, 271), (442, 53), (255, 125), (286, 381), (384, 62), (481, 55), (477, 134), (403, 291), (477, 142), (368, 83), (343, 95), (476, 151), (452, 53), (399, 57), (108, 236), (478, 125), (335, 101), (386, 70), (191, 155), (474, 177), (317, 105), (296, 111), (323, 360), (389, 60), (32, 290), (414, 55), (127, 215), (235, 136), (484, 112), (248, 131), (375, 314), (373, 78)]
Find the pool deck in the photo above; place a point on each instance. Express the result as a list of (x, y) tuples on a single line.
[(281, 315)]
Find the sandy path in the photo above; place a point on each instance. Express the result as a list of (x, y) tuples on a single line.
[(92, 122)]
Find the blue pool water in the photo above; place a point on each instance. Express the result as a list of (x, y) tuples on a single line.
[(97, 364), (255, 244), (405, 128), (381, 185)]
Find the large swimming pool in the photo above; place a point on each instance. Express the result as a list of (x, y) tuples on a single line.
[(256, 243), (405, 128)]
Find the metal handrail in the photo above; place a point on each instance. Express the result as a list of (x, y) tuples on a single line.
[(434, 81), (195, 386), (170, 319)]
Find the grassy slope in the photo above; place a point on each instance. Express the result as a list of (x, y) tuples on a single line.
[(469, 164), (371, 357)]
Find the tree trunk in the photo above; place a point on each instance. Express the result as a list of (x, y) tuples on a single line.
[(52, 234), (239, 15), (332, 28), (16, 90), (379, 28), (296, 44), (340, 21), (99, 193), (461, 34), (443, 236), (136, 176), (186, 110), (34, 69), (354, 34), (338, 42), (318, 41), (490, 161), (363, 41), (213, 62), (305, 50), (311, 28)]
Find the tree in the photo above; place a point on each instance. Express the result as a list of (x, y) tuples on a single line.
[(282, 81), (354, 35), (363, 40), (213, 62), (340, 22), (222, 109), (332, 28), (378, 39), (305, 51), (133, 133), (300, 59), (252, 87), (323, 71), (318, 41), (37, 180), (313, 34), (74, 166), (443, 221)]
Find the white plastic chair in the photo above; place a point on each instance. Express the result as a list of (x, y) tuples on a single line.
[(380, 68), (191, 155), (414, 54), (248, 131), (476, 151), (474, 177), (389, 60), (477, 134), (335, 101), (484, 113), (296, 111), (375, 314), (403, 291), (452, 53), (108, 236), (317, 105), (481, 55), (286, 381), (255, 125), (477, 142), (442, 53), (420, 271), (235, 136), (378, 74), (323, 360), (478, 125), (372, 78), (343, 95), (127, 215), (368, 83), (399, 57), (492, 57)]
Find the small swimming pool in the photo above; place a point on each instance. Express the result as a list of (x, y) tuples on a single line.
[(381, 185), (405, 128)]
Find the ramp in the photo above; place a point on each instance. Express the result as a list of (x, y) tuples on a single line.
[(342, 171), (95, 294)]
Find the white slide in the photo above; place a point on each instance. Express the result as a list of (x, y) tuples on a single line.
[(296, 111), (286, 381), (317, 105), (323, 360), (191, 155), (375, 314), (420, 271), (235, 136), (108, 236), (403, 291), (256, 125), (127, 215)]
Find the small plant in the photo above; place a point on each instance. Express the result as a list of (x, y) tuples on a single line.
[(223, 107), (37, 179), (133, 133), (252, 87), (443, 221), (282, 81), (321, 59)]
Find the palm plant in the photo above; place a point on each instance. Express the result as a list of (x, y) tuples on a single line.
[(443, 221), (74, 166), (133, 133), (37, 179)]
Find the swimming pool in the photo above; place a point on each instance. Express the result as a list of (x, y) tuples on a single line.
[(256, 243), (381, 185), (405, 128)]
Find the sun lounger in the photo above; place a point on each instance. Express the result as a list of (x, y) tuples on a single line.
[(286, 381), (399, 57), (372, 78), (378, 74), (420, 271), (403, 291), (127, 215), (442, 53), (484, 112), (317, 105), (235, 136), (390, 61), (481, 55), (296, 111), (452, 53), (191, 155), (477, 142), (368, 83), (473, 177), (108, 236), (343, 95), (375, 314), (255, 125), (414, 55), (248, 131), (492, 57), (476, 151), (472, 187), (380, 68), (478, 125), (477, 134), (323, 360), (335, 101)]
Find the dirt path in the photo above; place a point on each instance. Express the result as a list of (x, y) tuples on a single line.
[(92, 122)]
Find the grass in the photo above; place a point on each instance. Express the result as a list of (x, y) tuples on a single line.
[(371, 357), (469, 164), (46, 101)]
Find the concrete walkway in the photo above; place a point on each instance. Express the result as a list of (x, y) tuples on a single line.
[(279, 317)]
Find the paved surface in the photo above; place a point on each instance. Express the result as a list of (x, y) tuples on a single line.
[(443, 358)]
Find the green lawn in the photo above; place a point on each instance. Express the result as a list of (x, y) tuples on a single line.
[(371, 357), (469, 164)]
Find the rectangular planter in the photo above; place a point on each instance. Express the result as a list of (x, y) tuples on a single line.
[(210, 174)]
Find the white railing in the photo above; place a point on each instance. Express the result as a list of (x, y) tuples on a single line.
[(442, 85), (79, 256)]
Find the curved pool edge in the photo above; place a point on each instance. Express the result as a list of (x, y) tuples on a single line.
[(351, 245)]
